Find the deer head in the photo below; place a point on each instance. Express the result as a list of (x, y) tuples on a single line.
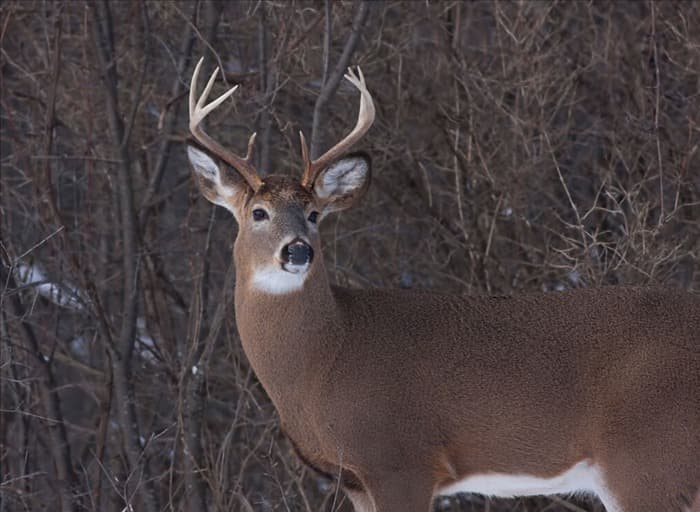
[(278, 242)]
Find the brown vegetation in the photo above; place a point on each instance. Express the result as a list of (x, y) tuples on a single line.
[(518, 146)]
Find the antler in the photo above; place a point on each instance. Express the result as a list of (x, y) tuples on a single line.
[(198, 111), (364, 120)]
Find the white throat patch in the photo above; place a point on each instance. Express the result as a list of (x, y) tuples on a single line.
[(274, 280)]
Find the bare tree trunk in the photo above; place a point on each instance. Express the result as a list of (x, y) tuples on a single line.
[(121, 355), (331, 84), (191, 385), (163, 155), (192, 373)]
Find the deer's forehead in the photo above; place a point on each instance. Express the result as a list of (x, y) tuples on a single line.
[(283, 191)]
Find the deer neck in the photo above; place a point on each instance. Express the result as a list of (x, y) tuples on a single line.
[(281, 333)]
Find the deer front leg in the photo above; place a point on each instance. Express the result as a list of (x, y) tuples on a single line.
[(401, 492), (360, 500)]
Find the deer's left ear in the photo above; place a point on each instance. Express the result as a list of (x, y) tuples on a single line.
[(217, 183), (343, 182)]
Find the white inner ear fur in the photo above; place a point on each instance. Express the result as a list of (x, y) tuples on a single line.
[(342, 177), (209, 170), (203, 163)]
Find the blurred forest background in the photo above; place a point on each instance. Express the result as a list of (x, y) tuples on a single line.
[(518, 146)]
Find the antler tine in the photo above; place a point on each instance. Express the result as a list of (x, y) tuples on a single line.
[(365, 118), (199, 110), (305, 158)]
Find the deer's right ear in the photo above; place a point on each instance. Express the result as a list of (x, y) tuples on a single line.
[(344, 182), (220, 186)]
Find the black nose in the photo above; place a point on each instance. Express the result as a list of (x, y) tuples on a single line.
[(297, 252)]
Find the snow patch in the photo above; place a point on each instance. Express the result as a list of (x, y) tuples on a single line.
[(146, 345), (70, 297), (574, 277), (61, 294), (80, 348)]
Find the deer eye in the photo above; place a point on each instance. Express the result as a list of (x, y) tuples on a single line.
[(260, 214), (313, 217)]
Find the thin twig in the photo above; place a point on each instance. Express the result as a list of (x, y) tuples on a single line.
[(327, 39), (265, 89), (657, 109), (579, 223)]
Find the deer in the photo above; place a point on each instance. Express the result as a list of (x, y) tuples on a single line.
[(401, 395)]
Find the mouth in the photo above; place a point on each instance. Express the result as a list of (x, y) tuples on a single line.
[(295, 268)]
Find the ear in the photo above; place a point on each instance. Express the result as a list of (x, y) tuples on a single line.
[(220, 186), (344, 182)]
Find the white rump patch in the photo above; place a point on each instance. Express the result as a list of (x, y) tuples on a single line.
[(276, 281), (583, 477), (342, 177)]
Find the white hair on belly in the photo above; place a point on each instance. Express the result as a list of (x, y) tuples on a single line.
[(583, 477)]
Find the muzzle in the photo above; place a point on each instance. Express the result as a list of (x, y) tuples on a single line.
[(296, 256)]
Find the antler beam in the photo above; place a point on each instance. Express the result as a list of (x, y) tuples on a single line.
[(198, 111), (365, 118)]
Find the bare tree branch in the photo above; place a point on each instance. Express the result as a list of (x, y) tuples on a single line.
[(327, 40), (265, 89)]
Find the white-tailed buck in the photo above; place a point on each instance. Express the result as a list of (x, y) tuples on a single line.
[(404, 395)]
